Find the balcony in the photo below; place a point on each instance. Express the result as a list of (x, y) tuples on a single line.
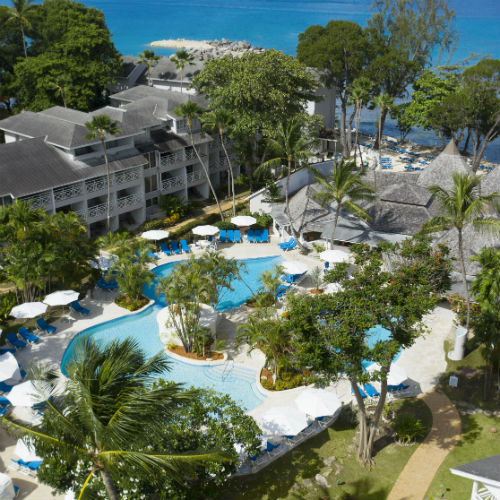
[(96, 185), (172, 184), (129, 201), (127, 176), (179, 157), (41, 200), (68, 192), (97, 211), (195, 177), (219, 164)]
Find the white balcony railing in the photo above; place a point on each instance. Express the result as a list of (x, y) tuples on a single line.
[(42, 200), (180, 156), (130, 200), (195, 177), (68, 192), (172, 184), (127, 176), (96, 185), (97, 211)]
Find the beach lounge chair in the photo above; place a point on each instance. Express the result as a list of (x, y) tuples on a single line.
[(265, 236), (5, 387), (229, 236), (281, 290), (4, 401), (175, 247), (152, 255), (77, 307), (397, 388), (237, 236), (27, 335), (184, 246), (286, 244), (165, 249), (327, 267), (363, 393), (21, 371), (3, 411), (6, 350), (107, 285), (12, 338), (258, 236), (43, 325), (371, 391), (250, 236), (222, 236)]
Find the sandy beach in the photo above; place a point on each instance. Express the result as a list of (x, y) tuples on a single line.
[(182, 43)]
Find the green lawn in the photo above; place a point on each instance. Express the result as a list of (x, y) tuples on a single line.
[(477, 442), (292, 476)]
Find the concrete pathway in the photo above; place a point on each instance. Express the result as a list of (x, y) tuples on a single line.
[(416, 477)]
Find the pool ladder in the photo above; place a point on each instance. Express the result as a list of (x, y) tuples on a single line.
[(228, 367)]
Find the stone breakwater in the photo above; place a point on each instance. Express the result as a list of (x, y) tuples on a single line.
[(209, 49)]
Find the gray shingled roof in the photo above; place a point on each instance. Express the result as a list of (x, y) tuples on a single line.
[(407, 193), (67, 114), (440, 171), (486, 469), (31, 166), (166, 141), (490, 182)]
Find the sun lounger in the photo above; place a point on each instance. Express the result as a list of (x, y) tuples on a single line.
[(229, 235), (281, 290), (12, 338), (6, 350), (21, 371), (107, 285), (3, 411), (371, 391), (45, 326), (287, 244), (237, 236), (363, 393), (258, 236), (396, 388), (5, 387), (251, 236), (77, 307), (165, 249), (27, 335), (152, 255), (184, 246), (265, 236), (175, 247), (4, 401), (222, 236)]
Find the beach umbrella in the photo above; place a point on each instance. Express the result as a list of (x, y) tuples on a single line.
[(205, 230), (28, 310), (103, 262), (9, 369), (397, 374), (25, 394), (283, 421), (294, 267), (25, 452), (335, 256), (155, 234), (61, 298), (6, 487), (243, 220), (317, 402), (333, 288)]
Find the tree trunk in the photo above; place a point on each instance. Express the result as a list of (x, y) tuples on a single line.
[(381, 122), (487, 138), (63, 97), (230, 168), (109, 485), (362, 417), (24, 41), (108, 190), (464, 276), (335, 222), (343, 139), (182, 78), (466, 144), (287, 204), (349, 129)]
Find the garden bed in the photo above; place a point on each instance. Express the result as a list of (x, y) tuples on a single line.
[(132, 305), (180, 351), (286, 380)]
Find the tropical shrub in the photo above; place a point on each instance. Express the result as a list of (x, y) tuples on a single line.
[(224, 224), (171, 205), (272, 194), (409, 428), (154, 224), (7, 302)]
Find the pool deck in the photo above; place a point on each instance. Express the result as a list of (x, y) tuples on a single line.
[(424, 362)]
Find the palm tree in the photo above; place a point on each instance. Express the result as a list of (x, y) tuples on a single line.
[(345, 187), (384, 102), (460, 206), (18, 14), (108, 400), (149, 58), (99, 127), (190, 111), (221, 120), (291, 147), (359, 95), (181, 58), (271, 280), (60, 86)]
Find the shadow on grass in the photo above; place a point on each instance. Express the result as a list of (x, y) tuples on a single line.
[(471, 430)]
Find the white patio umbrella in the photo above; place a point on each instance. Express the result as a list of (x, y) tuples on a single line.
[(25, 394), (28, 310), (155, 234), (61, 298), (25, 452), (294, 267), (317, 402), (103, 262), (243, 220), (333, 288), (283, 421), (335, 256), (6, 487), (397, 374), (205, 230), (9, 369)]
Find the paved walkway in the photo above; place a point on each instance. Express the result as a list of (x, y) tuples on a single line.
[(416, 477)]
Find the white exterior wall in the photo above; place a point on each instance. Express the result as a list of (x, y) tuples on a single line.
[(325, 107)]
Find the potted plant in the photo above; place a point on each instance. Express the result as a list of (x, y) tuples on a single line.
[(316, 279)]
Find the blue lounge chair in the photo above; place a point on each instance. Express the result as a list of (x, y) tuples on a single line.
[(184, 246), (265, 236), (237, 236), (5, 387), (250, 236), (12, 338), (45, 326), (152, 255), (288, 244), (33, 466), (258, 236), (175, 247), (222, 236), (327, 267), (21, 371), (270, 446), (165, 249), (27, 335), (363, 393), (396, 388), (5, 351), (107, 285), (230, 236), (76, 306), (371, 391), (281, 290), (4, 401), (3, 411)]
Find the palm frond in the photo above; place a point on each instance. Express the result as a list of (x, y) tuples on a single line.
[(437, 224)]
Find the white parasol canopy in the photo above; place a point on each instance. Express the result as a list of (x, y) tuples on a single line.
[(317, 402), (25, 452), (155, 234), (25, 394), (294, 267), (205, 230), (397, 374), (243, 220), (61, 298), (103, 262), (6, 487), (333, 288), (335, 256), (28, 310), (9, 369), (283, 421)]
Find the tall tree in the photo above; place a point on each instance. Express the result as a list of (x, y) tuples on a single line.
[(191, 111), (149, 58), (345, 187), (19, 14), (359, 96), (181, 59), (108, 400), (384, 103), (100, 127), (463, 205)]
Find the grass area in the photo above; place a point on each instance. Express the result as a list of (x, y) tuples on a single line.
[(333, 455), (477, 442)]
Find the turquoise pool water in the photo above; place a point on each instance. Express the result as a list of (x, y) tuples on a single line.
[(378, 334)]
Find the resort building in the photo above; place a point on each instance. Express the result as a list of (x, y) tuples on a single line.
[(48, 160)]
